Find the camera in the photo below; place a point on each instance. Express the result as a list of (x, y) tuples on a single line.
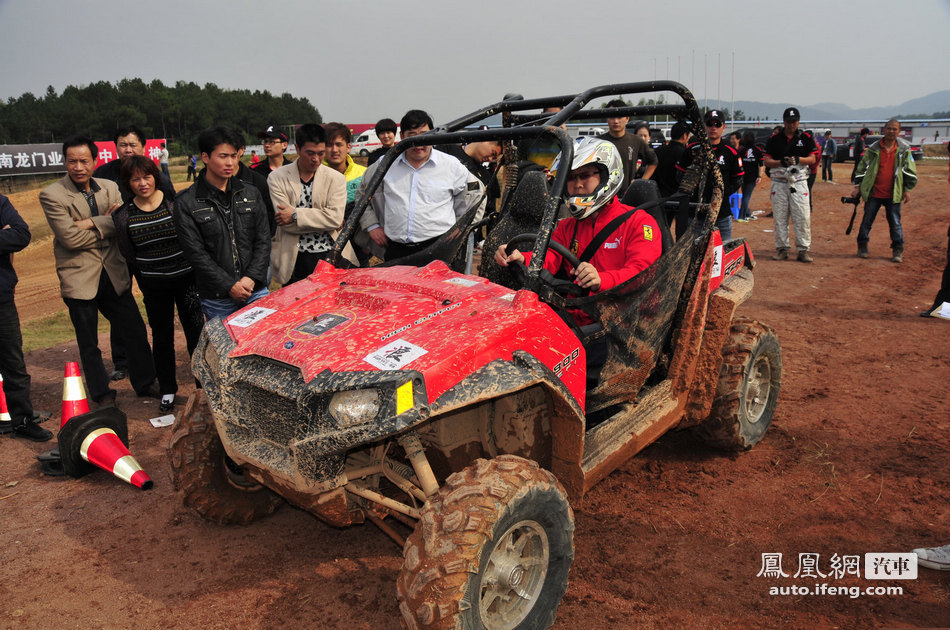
[(852, 200)]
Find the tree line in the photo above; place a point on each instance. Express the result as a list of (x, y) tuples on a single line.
[(178, 113)]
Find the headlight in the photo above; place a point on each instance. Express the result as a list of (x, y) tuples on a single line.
[(355, 406)]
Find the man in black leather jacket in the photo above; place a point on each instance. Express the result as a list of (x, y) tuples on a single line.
[(223, 228)]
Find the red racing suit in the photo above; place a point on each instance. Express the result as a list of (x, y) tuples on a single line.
[(630, 249)]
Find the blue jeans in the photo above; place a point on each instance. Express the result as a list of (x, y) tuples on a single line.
[(222, 307), (746, 196), (893, 213), (725, 227)]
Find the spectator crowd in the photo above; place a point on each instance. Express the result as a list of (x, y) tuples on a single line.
[(236, 231)]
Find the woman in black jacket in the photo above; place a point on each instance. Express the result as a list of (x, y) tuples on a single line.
[(146, 234)]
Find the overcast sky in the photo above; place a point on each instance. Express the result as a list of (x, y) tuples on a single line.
[(358, 61)]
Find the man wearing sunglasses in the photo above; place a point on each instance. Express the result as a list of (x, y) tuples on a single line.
[(788, 154), (275, 143), (730, 165)]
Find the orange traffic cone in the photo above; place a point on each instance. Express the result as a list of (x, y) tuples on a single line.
[(6, 423), (103, 448), (99, 438), (74, 394)]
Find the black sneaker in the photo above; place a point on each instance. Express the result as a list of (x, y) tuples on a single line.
[(167, 404), (118, 374), (31, 431)]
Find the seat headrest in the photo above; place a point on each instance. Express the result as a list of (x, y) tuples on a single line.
[(527, 200), (639, 192)]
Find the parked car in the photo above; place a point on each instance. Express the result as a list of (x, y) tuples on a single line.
[(657, 137), (584, 132), (365, 143), (762, 134), (846, 149)]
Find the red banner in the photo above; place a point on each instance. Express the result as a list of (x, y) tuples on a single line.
[(107, 150)]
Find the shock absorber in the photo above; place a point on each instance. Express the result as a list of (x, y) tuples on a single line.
[(417, 457)]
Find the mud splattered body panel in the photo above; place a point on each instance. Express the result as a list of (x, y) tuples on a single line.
[(407, 335), (432, 320)]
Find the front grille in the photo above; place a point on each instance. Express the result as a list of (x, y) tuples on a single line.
[(267, 415)]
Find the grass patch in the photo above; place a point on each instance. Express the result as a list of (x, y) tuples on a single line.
[(53, 330)]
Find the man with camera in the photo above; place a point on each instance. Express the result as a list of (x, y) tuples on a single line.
[(883, 178), (788, 154)]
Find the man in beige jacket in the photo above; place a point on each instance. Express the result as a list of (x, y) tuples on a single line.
[(93, 276), (309, 203)]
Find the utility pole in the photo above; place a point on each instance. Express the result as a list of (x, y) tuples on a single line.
[(719, 80), (733, 85)]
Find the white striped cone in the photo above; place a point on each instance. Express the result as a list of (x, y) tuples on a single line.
[(6, 423), (74, 394), (103, 448), (4, 412)]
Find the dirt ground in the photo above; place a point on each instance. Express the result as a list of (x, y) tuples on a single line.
[(856, 462)]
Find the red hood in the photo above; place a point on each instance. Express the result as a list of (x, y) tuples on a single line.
[(431, 319)]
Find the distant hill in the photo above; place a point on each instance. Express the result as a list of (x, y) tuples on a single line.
[(925, 105)]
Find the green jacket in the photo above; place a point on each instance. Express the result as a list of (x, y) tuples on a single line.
[(905, 172), (354, 174)]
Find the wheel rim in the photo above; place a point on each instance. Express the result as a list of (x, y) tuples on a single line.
[(757, 390), (238, 478), (514, 575)]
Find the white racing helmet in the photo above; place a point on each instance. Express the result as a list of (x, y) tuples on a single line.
[(604, 155)]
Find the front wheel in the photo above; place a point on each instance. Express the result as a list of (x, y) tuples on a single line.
[(492, 549), (211, 483), (364, 153), (749, 384)]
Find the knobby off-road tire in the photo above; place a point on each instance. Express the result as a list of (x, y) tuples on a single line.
[(749, 384), (211, 484), (492, 550)]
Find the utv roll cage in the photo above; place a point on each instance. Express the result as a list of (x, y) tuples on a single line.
[(520, 126)]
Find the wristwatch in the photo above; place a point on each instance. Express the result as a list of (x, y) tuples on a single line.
[(294, 216)]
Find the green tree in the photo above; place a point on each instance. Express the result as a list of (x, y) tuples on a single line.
[(177, 113)]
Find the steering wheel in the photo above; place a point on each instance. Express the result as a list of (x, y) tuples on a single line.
[(520, 270)]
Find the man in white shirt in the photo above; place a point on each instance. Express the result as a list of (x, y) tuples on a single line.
[(422, 195), (163, 161)]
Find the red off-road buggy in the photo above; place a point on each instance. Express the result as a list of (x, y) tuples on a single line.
[(454, 405)]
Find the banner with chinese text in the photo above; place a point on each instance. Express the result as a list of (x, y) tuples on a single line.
[(27, 159), (33, 159)]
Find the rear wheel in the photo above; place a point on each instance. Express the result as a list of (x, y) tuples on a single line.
[(364, 153), (749, 383), (492, 549), (212, 484)]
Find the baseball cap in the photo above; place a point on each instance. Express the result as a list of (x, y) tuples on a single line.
[(791, 114), (271, 132), (713, 115)]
